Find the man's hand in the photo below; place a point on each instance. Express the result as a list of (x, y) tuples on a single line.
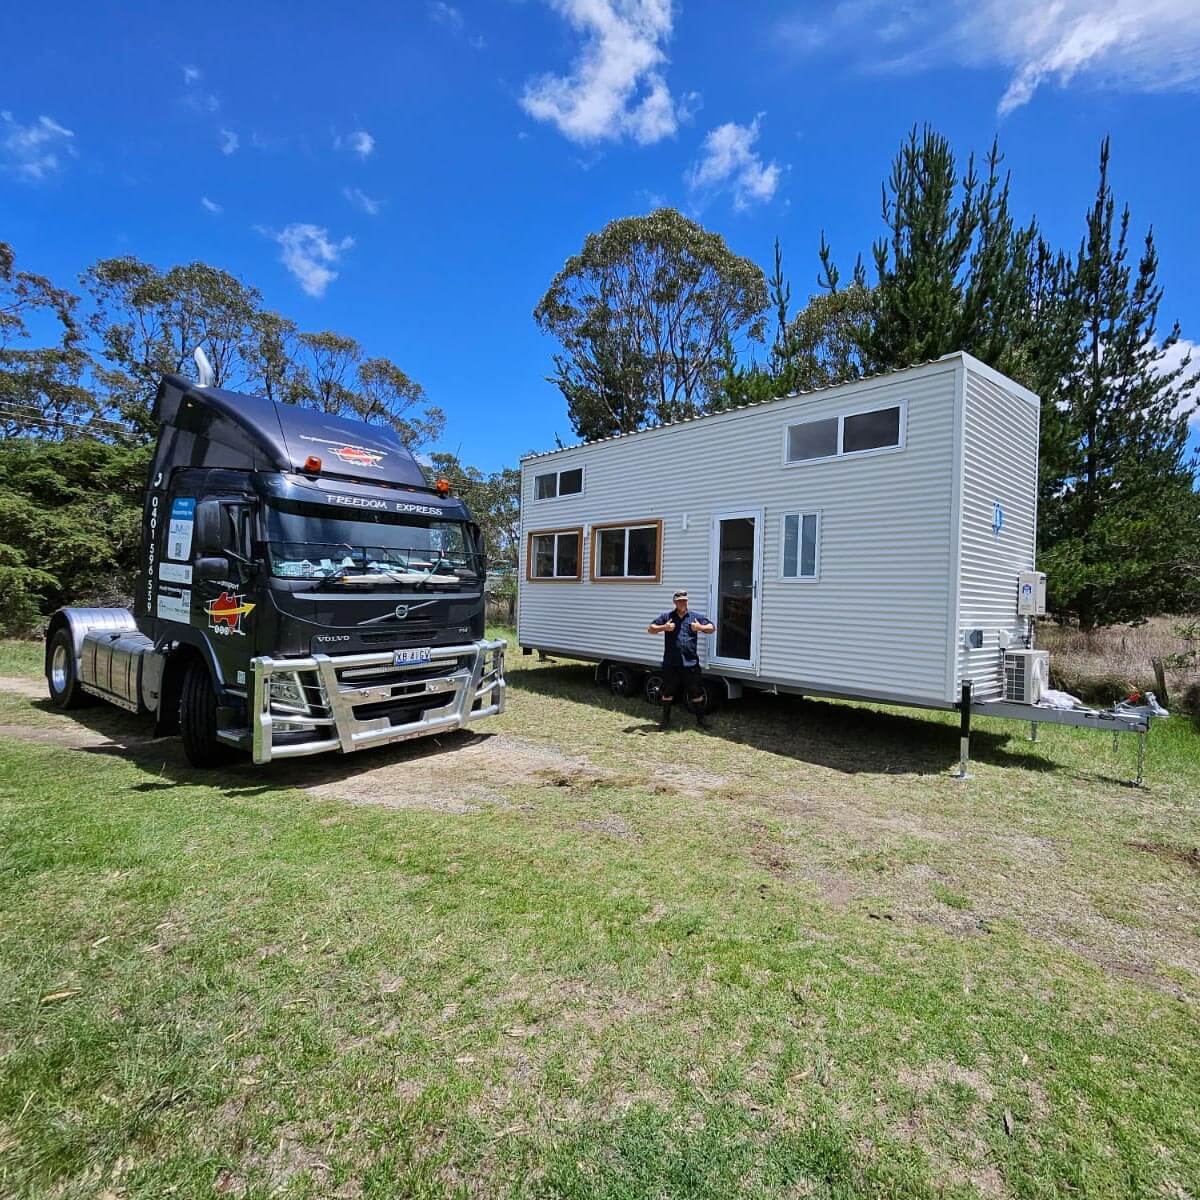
[(666, 628), (699, 627)]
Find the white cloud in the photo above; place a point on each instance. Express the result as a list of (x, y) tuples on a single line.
[(729, 162), (1130, 45), (360, 199), (359, 142), (452, 18), (197, 98), (210, 206), (1171, 360), (446, 14), (309, 255), (32, 151), (616, 87), (229, 141)]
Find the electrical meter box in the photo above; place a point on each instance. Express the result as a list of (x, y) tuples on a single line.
[(1031, 594)]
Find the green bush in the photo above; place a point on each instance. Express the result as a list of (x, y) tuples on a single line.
[(70, 524)]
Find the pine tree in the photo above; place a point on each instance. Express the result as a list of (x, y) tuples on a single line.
[(1118, 537)]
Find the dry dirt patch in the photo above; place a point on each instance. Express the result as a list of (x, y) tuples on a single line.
[(19, 685)]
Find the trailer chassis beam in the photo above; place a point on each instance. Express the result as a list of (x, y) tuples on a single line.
[(1107, 721)]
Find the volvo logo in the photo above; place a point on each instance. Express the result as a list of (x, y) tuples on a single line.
[(399, 613)]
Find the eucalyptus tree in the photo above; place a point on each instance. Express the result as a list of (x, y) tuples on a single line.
[(644, 313)]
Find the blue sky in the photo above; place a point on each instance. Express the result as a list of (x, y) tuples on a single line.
[(414, 173)]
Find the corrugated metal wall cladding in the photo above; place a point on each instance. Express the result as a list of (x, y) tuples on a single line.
[(1000, 454)]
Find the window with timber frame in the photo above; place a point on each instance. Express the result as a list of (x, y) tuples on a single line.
[(554, 555), (627, 552)]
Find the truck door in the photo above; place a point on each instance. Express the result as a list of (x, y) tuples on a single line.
[(225, 599)]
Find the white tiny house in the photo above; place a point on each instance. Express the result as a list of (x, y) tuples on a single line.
[(862, 541)]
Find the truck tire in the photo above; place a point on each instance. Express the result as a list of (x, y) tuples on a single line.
[(62, 678), (623, 680), (198, 718)]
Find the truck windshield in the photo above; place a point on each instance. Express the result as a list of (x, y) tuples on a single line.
[(309, 541)]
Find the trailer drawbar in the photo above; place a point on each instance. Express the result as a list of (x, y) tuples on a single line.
[(302, 588)]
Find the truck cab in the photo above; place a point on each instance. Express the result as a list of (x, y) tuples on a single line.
[(302, 587)]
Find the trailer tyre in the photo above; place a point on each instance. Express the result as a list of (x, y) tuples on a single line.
[(62, 678), (198, 718), (652, 687), (714, 694), (623, 680)]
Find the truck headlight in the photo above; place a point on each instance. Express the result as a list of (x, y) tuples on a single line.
[(287, 693)]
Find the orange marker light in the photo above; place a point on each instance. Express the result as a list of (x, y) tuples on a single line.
[(312, 465), (442, 487)]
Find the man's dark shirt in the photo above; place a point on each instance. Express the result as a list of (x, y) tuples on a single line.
[(679, 642)]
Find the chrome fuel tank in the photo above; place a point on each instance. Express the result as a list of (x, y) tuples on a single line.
[(114, 666)]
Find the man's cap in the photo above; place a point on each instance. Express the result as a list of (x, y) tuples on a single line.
[(680, 596)]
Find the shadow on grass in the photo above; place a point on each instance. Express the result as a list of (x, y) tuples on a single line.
[(850, 738), (131, 738)]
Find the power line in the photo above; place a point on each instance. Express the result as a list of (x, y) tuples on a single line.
[(56, 425), (42, 412)]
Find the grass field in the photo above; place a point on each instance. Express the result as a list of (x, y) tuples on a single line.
[(572, 956)]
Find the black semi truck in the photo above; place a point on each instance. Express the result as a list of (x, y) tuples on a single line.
[(302, 587)]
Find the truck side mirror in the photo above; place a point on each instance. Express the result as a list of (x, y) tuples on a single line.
[(208, 527), (212, 568)]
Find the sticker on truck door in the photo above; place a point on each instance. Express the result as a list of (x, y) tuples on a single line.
[(225, 613), (179, 532), (170, 572), (174, 604)]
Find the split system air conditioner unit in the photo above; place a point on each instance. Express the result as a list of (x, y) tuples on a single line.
[(1026, 675)]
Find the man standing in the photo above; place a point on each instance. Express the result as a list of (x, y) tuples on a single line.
[(681, 662)]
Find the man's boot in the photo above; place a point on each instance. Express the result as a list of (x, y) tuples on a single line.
[(664, 721), (698, 712)]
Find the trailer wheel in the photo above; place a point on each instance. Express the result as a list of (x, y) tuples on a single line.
[(61, 677), (652, 687), (198, 718), (623, 680), (714, 694)]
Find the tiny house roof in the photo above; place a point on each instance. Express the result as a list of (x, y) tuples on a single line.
[(969, 360)]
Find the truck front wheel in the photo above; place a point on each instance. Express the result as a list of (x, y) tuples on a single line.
[(62, 678), (198, 718)]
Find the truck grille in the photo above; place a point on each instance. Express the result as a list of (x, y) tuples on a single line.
[(406, 636)]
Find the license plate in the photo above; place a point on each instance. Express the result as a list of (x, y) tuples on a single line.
[(402, 658)]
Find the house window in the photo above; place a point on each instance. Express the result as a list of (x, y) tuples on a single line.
[(550, 484), (627, 552), (871, 430), (851, 433), (555, 554), (801, 554), (813, 439)]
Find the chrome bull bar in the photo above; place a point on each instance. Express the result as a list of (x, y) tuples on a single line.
[(326, 689)]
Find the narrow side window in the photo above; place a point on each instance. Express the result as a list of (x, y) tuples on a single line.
[(801, 551)]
